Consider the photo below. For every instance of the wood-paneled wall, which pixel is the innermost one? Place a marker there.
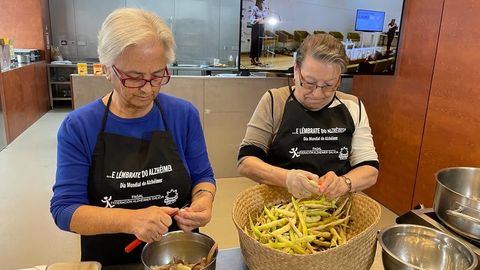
(24, 96)
(452, 130)
(24, 21)
(397, 105)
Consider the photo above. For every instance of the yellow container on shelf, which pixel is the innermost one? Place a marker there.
(82, 69)
(97, 69)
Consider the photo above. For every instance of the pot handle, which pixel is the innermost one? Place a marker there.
(458, 213)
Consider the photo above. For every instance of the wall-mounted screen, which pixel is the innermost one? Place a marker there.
(272, 30)
(369, 20)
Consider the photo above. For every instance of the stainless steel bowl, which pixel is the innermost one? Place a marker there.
(189, 247)
(457, 200)
(417, 247)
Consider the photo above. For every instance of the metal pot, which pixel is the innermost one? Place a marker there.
(457, 200)
(413, 247)
(190, 247)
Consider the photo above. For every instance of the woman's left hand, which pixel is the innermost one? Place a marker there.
(197, 215)
(332, 185)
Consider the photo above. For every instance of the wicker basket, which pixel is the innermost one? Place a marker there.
(357, 253)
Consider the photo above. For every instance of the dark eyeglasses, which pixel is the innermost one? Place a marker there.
(312, 86)
(130, 82)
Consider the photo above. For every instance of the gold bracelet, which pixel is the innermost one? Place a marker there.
(203, 190)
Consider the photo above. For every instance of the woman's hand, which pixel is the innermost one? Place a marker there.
(332, 185)
(302, 184)
(198, 214)
(149, 224)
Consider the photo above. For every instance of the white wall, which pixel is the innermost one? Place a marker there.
(329, 15)
(325, 15)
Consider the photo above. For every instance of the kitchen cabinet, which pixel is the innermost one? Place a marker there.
(25, 97)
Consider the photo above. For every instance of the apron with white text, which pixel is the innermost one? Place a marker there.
(314, 141)
(132, 173)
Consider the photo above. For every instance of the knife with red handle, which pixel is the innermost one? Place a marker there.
(137, 241)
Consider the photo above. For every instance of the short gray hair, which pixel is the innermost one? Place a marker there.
(129, 26)
(325, 48)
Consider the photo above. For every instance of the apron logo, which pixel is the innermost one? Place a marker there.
(172, 197)
(294, 151)
(343, 153)
(107, 201)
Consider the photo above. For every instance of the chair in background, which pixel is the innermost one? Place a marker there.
(319, 32)
(382, 65)
(300, 35)
(354, 37)
(270, 40)
(352, 68)
(284, 37)
(337, 35)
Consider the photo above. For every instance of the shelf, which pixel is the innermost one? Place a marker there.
(67, 98)
(60, 82)
(63, 65)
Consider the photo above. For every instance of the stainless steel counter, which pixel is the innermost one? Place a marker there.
(227, 259)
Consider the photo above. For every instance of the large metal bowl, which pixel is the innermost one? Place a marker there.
(187, 246)
(457, 200)
(417, 247)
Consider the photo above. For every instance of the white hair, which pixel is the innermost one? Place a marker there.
(129, 26)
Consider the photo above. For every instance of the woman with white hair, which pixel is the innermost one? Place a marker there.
(130, 160)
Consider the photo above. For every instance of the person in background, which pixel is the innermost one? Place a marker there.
(130, 160)
(309, 137)
(257, 21)
(392, 28)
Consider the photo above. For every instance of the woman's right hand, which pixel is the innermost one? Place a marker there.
(149, 224)
(302, 184)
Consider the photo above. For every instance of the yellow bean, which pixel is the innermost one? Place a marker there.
(275, 223)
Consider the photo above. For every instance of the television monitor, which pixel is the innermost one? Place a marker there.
(272, 30)
(369, 20)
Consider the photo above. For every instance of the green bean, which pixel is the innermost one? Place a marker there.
(275, 223)
(285, 212)
(309, 219)
(331, 224)
(302, 226)
(316, 212)
(255, 230)
(269, 214)
(300, 217)
(283, 229)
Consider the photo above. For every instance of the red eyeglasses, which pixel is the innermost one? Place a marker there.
(130, 82)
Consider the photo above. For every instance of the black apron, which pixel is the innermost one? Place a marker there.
(132, 173)
(314, 141)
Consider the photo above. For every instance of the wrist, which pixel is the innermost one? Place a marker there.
(128, 222)
(348, 183)
(203, 192)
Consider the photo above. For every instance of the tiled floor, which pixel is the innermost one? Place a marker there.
(28, 235)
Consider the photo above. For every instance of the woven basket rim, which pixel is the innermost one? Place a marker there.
(333, 249)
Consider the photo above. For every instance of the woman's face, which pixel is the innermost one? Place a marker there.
(145, 60)
(316, 83)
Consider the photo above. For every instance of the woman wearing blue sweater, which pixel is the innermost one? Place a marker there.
(128, 161)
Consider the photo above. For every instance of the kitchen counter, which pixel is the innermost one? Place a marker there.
(19, 65)
(203, 70)
(227, 259)
(24, 96)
